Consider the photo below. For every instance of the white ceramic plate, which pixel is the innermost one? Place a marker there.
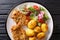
(10, 22)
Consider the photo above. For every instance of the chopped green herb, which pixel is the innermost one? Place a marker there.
(24, 13)
(35, 18)
(23, 10)
(32, 9)
(46, 17)
(32, 16)
(36, 13)
(42, 9)
(39, 24)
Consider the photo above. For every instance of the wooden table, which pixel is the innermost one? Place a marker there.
(52, 5)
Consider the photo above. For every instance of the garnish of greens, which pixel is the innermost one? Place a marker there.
(42, 9)
(46, 17)
(36, 15)
(32, 16)
(23, 11)
(39, 24)
(33, 10)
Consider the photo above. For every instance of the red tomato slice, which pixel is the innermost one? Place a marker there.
(36, 7)
(28, 14)
(28, 18)
(41, 20)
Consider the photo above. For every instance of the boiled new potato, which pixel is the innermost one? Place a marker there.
(30, 32)
(41, 35)
(32, 24)
(32, 38)
(44, 27)
(37, 29)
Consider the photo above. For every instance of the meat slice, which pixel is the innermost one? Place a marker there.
(18, 33)
(17, 16)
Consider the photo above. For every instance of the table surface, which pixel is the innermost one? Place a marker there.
(52, 5)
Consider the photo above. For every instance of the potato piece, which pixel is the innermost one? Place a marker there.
(32, 38)
(44, 27)
(41, 35)
(32, 24)
(37, 29)
(30, 32)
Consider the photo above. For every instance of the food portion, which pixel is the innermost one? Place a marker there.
(18, 33)
(18, 17)
(34, 18)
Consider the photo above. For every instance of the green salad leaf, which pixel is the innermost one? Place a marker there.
(35, 18)
(32, 16)
(23, 10)
(36, 13)
(39, 24)
(32, 9)
(46, 17)
(42, 9)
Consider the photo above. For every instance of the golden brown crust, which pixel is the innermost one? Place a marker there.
(17, 30)
(17, 16)
(18, 33)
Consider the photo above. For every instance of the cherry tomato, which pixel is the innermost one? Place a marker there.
(36, 7)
